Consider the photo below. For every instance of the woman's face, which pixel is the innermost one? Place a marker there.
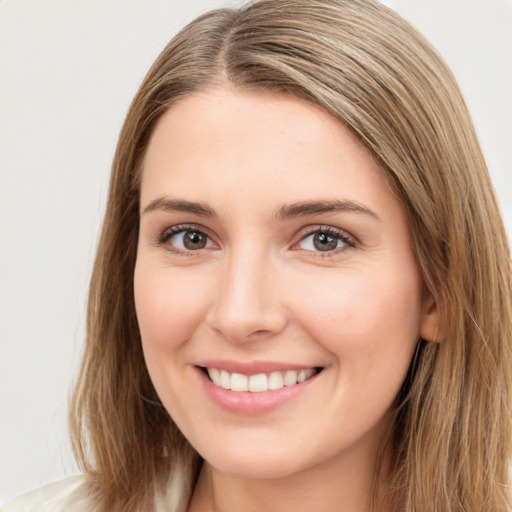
(271, 251)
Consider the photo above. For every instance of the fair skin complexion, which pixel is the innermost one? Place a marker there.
(270, 242)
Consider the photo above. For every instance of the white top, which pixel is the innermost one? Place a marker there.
(64, 496)
(71, 495)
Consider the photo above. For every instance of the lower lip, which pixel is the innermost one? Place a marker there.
(250, 403)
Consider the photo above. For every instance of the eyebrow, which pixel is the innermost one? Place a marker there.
(307, 208)
(290, 211)
(179, 205)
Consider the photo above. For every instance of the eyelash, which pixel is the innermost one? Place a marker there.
(168, 233)
(336, 233)
(348, 241)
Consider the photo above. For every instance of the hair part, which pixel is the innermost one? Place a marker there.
(372, 71)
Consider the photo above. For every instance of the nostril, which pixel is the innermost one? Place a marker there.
(239, 321)
(260, 332)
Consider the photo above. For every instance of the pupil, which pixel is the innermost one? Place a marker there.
(324, 242)
(194, 240)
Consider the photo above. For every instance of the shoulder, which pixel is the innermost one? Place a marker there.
(67, 495)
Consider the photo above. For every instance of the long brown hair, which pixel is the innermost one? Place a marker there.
(371, 70)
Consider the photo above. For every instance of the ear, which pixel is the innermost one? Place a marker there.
(433, 324)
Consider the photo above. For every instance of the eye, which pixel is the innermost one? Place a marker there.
(185, 239)
(326, 240)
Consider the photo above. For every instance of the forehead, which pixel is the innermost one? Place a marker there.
(221, 118)
(225, 146)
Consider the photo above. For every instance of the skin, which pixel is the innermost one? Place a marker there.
(260, 290)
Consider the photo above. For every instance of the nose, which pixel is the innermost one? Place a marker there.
(248, 305)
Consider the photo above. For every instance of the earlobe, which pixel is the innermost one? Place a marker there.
(433, 324)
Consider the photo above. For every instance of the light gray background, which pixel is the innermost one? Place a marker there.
(68, 70)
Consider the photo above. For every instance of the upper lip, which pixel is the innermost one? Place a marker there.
(253, 367)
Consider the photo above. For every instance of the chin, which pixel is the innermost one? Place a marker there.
(255, 463)
(262, 469)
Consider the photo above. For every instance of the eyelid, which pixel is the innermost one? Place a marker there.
(163, 237)
(349, 240)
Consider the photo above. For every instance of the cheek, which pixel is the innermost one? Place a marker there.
(363, 316)
(169, 310)
(169, 307)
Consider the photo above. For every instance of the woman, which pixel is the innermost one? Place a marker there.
(302, 293)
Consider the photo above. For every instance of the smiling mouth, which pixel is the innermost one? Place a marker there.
(260, 382)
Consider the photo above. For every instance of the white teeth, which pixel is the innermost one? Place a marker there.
(260, 382)
(290, 379)
(225, 379)
(214, 375)
(239, 382)
(275, 381)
